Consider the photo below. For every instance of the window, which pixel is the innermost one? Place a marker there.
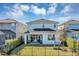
(8, 36)
(43, 26)
(27, 37)
(54, 25)
(13, 26)
(74, 36)
(51, 37)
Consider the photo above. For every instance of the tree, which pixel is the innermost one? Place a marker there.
(63, 37)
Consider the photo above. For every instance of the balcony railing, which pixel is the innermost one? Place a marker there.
(8, 29)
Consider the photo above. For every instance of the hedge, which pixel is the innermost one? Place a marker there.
(71, 44)
(12, 43)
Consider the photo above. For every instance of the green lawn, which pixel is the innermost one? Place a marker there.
(44, 51)
(0, 53)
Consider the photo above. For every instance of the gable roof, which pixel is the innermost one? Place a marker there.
(7, 21)
(70, 21)
(41, 21)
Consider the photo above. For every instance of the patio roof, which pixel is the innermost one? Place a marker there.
(75, 29)
(43, 29)
(27, 32)
(7, 30)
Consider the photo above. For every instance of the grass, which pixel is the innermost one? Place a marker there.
(0, 53)
(44, 51)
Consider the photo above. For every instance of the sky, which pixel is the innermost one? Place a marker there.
(25, 12)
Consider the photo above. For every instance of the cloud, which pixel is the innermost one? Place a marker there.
(17, 10)
(67, 9)
(62, 19)
(16, 6)
(17, 13)
(38, 11)
(21, 7)
(51, 9)
(42, 11)
(70, 10)
(24, 7)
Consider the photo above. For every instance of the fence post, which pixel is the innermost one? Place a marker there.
(58, 50)
(32, 51)
(38, 50)
(78, 50)
(45, 51)
(18, 52)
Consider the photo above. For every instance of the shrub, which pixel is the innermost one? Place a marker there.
(12, 43)
(72, 45)
(69, 43)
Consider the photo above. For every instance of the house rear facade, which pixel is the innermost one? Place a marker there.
(42, 31)
(12, 28)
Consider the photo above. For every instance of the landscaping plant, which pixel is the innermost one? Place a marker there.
(73, 45)
(12, 43)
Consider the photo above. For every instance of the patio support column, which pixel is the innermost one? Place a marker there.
(25, 38)
(28, 37)
(44, 38)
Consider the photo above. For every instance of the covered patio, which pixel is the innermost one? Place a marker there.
(41, 37)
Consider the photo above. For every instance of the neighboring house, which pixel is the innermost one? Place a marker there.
(12, 28)
(2, 40)
(71, 29)
(42, 31)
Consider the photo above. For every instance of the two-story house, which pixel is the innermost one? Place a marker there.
(42, 31)
(12, 28)
(71, 29)
(2, 40)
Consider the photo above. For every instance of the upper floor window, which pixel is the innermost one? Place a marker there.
(54, 25)
(43, 25)
(13, 26)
